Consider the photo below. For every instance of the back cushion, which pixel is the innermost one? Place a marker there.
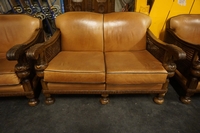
(125, 31)
(187, 27)
(81, 31)
(16, 29)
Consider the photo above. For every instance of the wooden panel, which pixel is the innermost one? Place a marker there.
(99, 6)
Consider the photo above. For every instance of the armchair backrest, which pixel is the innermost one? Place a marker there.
(125, 31)
(186, 27)
(81, 31)
(16, 29)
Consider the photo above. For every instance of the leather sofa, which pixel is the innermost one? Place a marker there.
(17, 76)
(184, 31)
(112, 53)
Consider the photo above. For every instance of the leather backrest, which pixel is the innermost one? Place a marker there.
(186, 27)
(16, 29)
(125, 31)
(81, 31)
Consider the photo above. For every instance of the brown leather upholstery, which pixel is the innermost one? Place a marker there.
(125, 32)
(104, 54)
(15, 32)
(18, 33)
(88, 27)
(186, 27)
(136, 67)
(76, 67)
(184, 31)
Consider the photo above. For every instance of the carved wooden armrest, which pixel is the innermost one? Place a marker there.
(19, 50)
(43, 53)
(164, 52)
(15, 52)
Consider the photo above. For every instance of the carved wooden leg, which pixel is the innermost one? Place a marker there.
(49, 100)
(33, 102)
(104, 100)
(186, 99)
(159, 99)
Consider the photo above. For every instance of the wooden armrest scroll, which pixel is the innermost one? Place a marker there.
(15, 52)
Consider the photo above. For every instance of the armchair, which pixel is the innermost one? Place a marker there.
(113, 53)
(17, 78)
(184, 31)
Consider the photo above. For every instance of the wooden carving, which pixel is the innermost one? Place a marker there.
(99, 6)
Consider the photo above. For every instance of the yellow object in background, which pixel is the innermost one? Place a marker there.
(159, 13)
(178, 7)
(140, 4)
(196, 7)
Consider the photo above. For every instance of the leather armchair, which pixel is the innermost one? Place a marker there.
(184, 31)
(104, 54)
(17, 77)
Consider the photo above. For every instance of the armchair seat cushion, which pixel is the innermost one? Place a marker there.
(134, 67)
(76, 67)
(7, 73)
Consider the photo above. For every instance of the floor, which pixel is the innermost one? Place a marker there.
(84, 114)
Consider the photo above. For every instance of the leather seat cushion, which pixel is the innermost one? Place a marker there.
(138, 67)
(76, 67)
(7, 73)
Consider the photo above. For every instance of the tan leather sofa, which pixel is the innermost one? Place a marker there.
(104, 54)
(184, 31)
(17, 33)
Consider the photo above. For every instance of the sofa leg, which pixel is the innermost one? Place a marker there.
(49, 100)
(33, 102)
(159, 99)
(185, 99)
(104, 100)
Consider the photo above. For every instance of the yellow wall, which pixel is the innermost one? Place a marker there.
(196, 7)
(162, 10)
(159, 12)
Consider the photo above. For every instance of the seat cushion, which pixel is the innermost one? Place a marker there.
(138, 67)
(7, 73)
(76, 67)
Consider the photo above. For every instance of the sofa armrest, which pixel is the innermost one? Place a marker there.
(192, 51)
(16, 52)
(43, 53)
(164, 52)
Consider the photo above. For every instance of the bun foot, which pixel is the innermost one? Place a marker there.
(49, 100)
(33, 102)
(104, 100)
(158, 100)
(185, 100)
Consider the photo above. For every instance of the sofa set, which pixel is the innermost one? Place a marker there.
(104, 54)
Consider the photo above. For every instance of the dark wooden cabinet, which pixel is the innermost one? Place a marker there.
(99, 6)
